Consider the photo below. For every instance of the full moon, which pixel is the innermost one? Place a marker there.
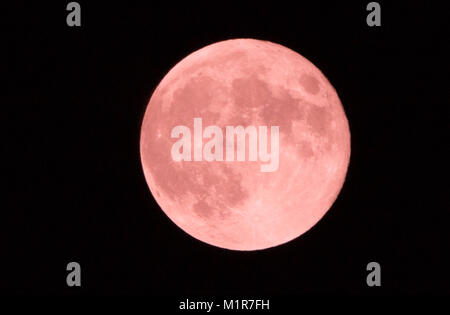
(232, 203)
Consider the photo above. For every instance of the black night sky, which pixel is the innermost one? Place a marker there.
(75, 190)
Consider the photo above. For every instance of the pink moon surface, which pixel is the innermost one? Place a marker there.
(232, 204)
